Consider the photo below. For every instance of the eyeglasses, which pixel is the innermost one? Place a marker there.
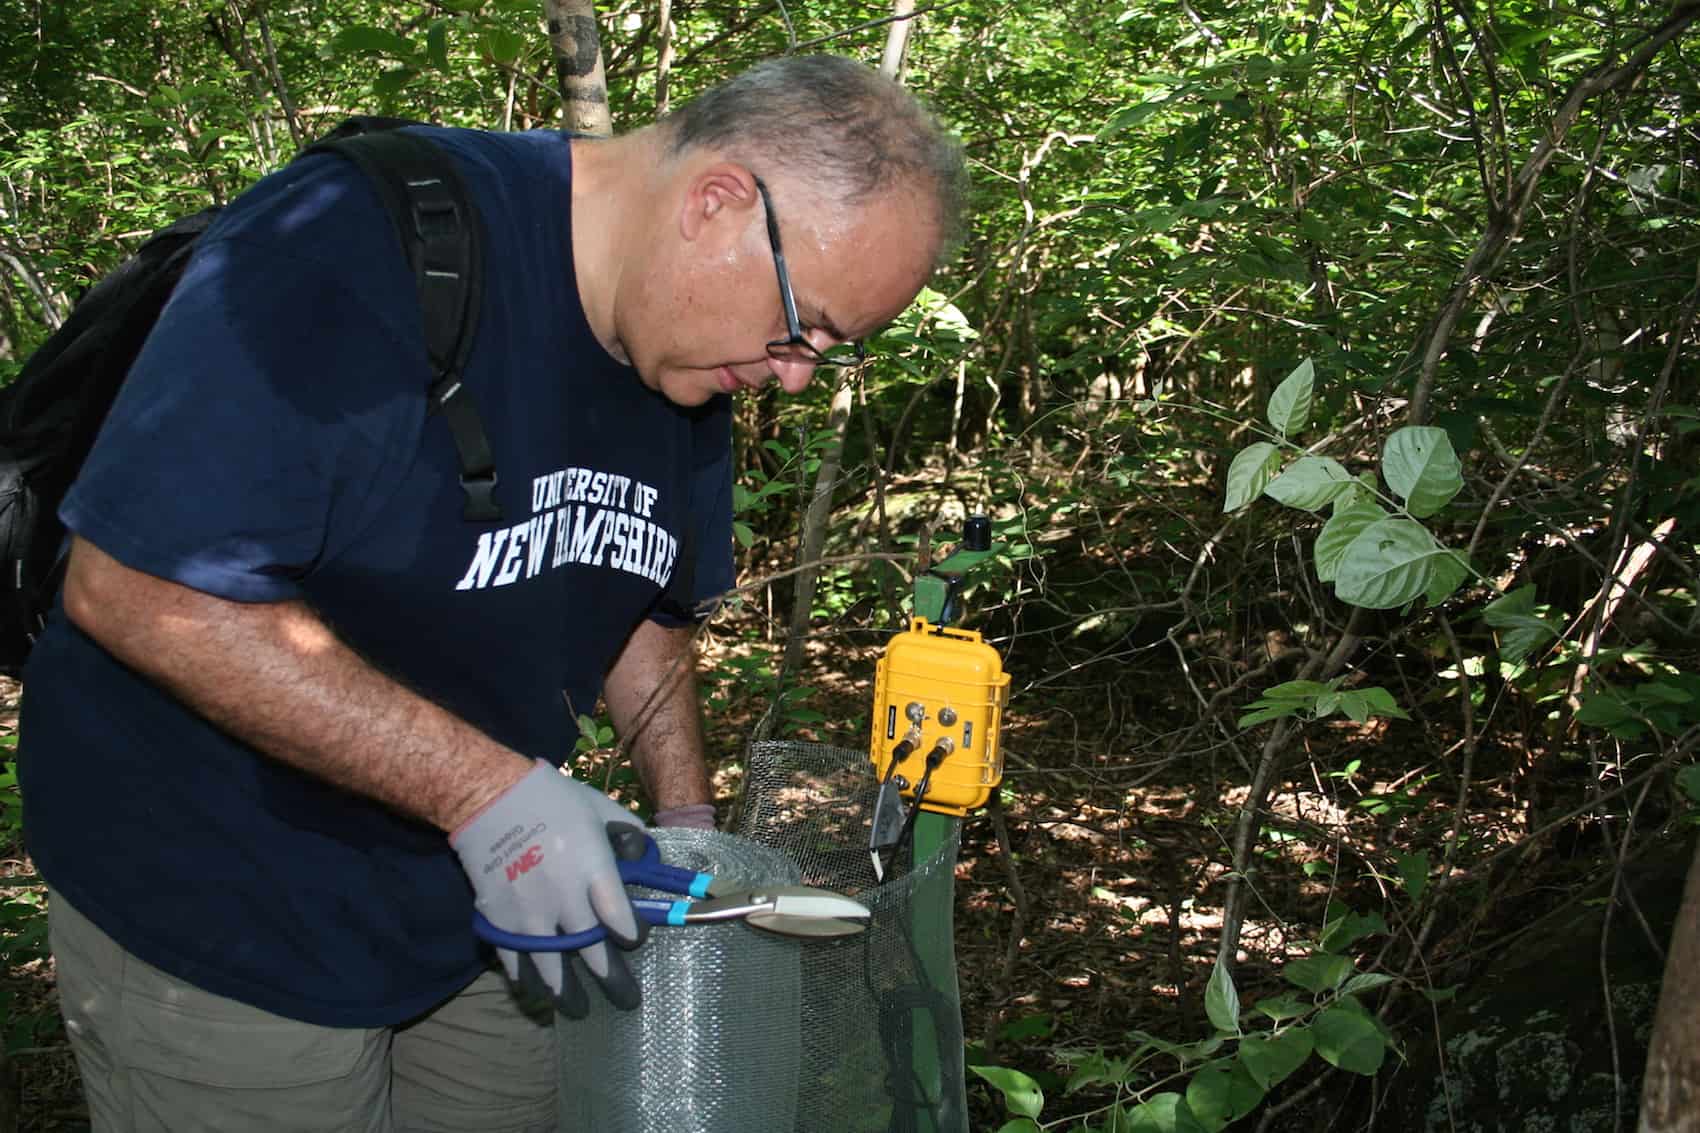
(794, 347)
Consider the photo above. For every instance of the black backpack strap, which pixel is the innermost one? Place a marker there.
(438, 226)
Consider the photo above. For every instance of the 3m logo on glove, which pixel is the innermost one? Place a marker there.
(533, 856)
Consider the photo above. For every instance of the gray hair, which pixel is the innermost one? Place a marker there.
(832, 123)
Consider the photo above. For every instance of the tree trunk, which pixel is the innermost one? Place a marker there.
(1670, 1093)
(578, 66)
(664, 58)
(819, 513)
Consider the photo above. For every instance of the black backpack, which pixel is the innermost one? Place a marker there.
(51, 413)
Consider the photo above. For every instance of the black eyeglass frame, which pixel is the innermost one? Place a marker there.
(796, 347)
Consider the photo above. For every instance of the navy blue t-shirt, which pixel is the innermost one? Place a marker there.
(272, 444)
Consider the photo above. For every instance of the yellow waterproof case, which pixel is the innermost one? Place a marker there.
(935, 686)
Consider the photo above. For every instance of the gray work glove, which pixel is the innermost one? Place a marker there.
(541, 864)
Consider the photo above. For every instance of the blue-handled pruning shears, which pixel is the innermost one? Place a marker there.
(791, 910)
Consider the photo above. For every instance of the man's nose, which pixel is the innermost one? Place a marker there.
(793, 375)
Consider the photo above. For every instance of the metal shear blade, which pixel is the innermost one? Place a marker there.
(791, 910)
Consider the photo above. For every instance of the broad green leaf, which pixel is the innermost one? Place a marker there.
(1217, 1096)
(1270, 1060)
(1094, 1069)
(502, 44)
(1222, 1001)
(1027, 1027)
(362, 40)
(1262, 711)
(1525, 626)
(1688, 782)
(1413, 871)
(1250, 473)
(1289, 405)
(1365, 981)
(392, 81)
(1609, 711)
(1349, 1040)
(1345, 525)
(1310, 483)
(1662, 692)
(1286, 699)
(1162, 1113)
(1020, 1093)
(1128, 117)
(1362, 703)
(1319, 972)
(1448, 573)
(1298, 690)
(1282, 1007)
(1390, 563)
(941, 316)
(1420, 466)
(1343, 928)
(437, 44)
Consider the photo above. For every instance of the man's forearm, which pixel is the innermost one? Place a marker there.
(651, 694)
(276, 677)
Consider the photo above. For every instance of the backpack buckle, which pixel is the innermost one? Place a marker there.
(480, 504)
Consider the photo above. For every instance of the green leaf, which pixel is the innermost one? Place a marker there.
(362, 40)
(1365, 981)
(437, 44)
(1526, 627)
(1350, 1040)
(1020, 1093)
(1208, 1097)
(1343, 928)
(1027, 1027)
(1289, 405)
(1609, 711)
(1413, 871)
(1128, 117)
(392, 81)
(1222, 1001)
(1345, 525)
(1287, 699)
(1262, 711)
(1162, 1113)
(1688, 782)
(1319, 972)
(1250, 473)
(1390, 563)
(1094, 1069)
(1282, 1007)
(1270, 1060)
(502, 44)
(1448, 573)
(1310, 483)
(1421, 468)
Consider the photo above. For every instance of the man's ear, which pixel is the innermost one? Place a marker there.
(714, 194)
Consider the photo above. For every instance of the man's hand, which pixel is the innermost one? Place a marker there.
(541, 863)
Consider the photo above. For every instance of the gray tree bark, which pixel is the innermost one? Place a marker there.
(1670, 1092)
(578, 66)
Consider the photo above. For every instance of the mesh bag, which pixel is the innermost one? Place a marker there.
(744, 1030)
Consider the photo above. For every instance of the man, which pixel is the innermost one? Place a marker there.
(294, 703)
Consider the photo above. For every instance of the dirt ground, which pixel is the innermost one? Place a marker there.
(1087, 907)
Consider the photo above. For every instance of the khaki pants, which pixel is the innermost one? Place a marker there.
(157, 1054)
